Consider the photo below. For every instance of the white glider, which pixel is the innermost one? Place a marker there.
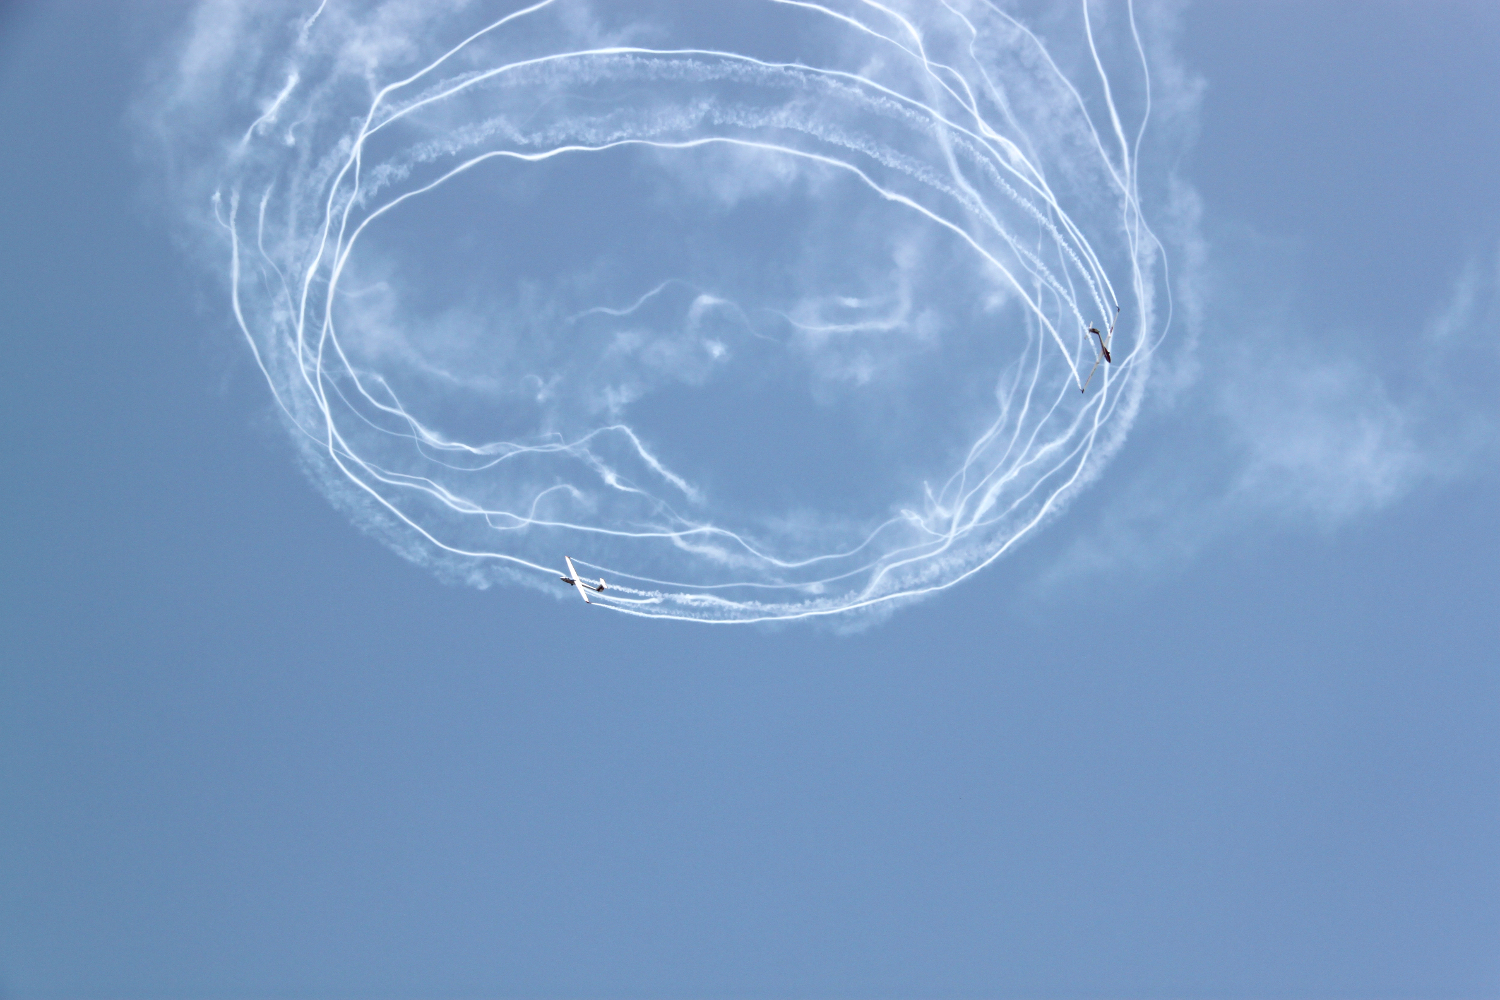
(574, 580)
(1103, 350)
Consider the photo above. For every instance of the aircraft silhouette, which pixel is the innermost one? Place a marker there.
(583, 585)
(1104, 340)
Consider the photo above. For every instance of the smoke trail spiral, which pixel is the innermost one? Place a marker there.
(765, 309)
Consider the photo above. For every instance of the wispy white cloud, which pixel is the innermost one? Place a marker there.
(1287, 428)
(1318, 437)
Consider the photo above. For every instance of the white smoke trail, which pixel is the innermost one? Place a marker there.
(768, 310)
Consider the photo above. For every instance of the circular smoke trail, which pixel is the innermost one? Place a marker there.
(760, 310)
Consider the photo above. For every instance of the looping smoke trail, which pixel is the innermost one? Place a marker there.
(769, 310)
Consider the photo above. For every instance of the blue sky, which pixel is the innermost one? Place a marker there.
(1223, 728)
